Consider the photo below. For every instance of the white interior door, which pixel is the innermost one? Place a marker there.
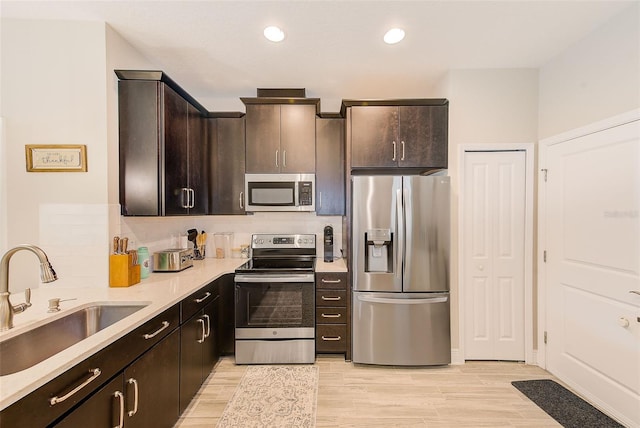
(493, 237)
(593, 263)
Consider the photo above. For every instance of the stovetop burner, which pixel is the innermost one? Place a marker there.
(293, 253)
(277, 265)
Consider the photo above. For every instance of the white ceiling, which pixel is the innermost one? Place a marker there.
(334, 49)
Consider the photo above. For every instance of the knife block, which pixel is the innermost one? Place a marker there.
(123, 272)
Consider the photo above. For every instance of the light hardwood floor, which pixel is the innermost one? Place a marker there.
(476, 394)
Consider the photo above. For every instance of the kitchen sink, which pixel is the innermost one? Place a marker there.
(33, 346)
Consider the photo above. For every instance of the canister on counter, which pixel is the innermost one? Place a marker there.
(144, 261)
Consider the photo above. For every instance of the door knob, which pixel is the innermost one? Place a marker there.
(480, 267)
(623, 322)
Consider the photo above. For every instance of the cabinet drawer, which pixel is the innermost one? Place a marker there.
(331, 338)
(330, 315)
(198, 300)
(334, 280)
(331, 298)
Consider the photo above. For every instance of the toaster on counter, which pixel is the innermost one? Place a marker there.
(172, 260)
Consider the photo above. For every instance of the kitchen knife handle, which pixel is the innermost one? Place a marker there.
(116, 244)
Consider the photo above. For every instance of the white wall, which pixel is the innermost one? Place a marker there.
(53, 93)
(492, 106)
(597, 78)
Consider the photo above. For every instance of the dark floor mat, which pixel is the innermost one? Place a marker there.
(564, 406)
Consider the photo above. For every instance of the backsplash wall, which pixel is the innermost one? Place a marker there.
(156, 233)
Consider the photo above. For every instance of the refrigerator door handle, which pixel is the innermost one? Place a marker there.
(407, 229)
(371, 299)
(399, 244)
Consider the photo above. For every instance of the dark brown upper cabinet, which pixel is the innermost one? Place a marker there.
(280, 136)
(387, 134)
(163, 148)
(227, 165)
(330, 174)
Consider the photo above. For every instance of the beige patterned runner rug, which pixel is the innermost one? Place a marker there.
(273, 396)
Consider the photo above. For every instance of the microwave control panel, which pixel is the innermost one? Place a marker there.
(305, 193)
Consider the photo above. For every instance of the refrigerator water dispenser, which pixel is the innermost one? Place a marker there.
(378, 250)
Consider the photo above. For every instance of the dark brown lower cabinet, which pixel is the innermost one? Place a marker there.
(198, 351)
(145, 394)
(155, 377)
(332, 313)
(226, 316)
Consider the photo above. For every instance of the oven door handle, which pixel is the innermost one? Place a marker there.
(267, 278)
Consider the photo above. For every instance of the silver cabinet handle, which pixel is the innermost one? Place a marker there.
(277, 154)
(402, 150)
(284, 158)
(331, 338)
(202, 299)
(201, 340)
(165, 324)
(193, 198)
(208, 333)
(331, 299)
(331, 281)
(635, 292)
(331, 315)
(241, 200)
(394, 150)
(94, 374)
(185, 196)
(319, 199)
(134, 382)
(120, 396)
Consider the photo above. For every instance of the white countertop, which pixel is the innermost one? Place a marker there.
(160, 291)
(337, 265)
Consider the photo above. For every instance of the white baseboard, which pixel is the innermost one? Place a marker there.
(456, 357)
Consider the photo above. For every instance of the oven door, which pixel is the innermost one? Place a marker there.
(274, 306)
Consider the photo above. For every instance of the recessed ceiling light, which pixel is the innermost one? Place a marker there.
(274, 34)
(394, 36)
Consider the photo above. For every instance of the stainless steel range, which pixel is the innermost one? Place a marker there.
(275, 301)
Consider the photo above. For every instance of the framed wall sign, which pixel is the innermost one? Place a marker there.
(56, 158)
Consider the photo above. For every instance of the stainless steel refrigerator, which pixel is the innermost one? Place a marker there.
(400, 249)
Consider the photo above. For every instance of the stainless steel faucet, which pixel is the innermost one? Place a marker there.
(47, 274)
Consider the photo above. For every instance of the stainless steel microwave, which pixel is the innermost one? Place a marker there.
(280, 192)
